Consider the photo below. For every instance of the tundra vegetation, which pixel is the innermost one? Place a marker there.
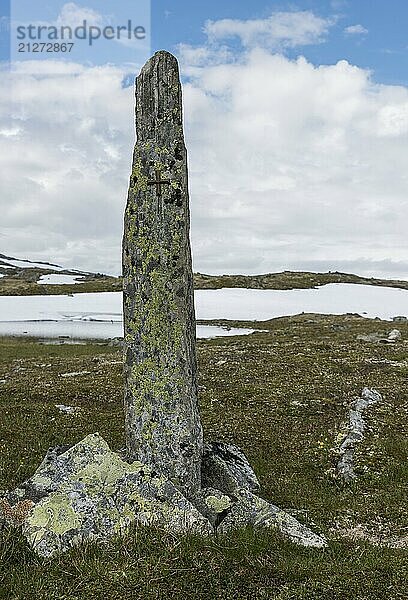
(283, 396)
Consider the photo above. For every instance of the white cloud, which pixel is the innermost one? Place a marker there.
(65, 170)
(281, 29)
(10, 131)
(355, 30)
(393, 120)
(292, 165)
(74, 15)
(71, 15)
(296, 166)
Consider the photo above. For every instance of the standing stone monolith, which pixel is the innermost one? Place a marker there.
(162, 419)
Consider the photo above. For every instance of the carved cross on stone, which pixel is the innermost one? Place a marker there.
(158, 182)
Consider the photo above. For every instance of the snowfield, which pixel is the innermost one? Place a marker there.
(99, 315)
(335, 298)
(56, 279)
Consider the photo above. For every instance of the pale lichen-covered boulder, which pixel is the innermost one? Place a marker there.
(354, 433)
(88, 492)
(226, 468)
(249, 510)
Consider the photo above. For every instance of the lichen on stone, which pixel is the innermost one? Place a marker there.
(162, 420)
(93, 494)
(218, 505)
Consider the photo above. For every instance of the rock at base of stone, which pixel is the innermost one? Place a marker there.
(228, 501)
(226, 468)
(249, 510)
(89, 493)
(86, 493)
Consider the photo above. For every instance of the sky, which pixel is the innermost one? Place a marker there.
(296, 123)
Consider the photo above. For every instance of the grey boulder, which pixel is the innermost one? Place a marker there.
(226, 468)
(249, 510)
(89, 493)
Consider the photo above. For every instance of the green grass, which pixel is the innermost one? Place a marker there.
(150, 564)
(282, 396)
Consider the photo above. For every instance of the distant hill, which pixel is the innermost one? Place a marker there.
(24, 277)
(289, 280)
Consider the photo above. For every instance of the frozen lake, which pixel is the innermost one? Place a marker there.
(99, 315)
(95, 330)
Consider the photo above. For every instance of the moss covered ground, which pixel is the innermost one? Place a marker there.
(283, 396)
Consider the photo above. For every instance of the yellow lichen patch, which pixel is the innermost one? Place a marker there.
(54, 513)
(218, 505)
(139, 180)
(105, 471)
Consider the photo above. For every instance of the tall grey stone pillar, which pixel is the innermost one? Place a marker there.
(162, 420)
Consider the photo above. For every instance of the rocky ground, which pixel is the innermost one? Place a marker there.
(284, 397)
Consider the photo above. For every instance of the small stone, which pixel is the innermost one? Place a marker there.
(245, 512)
(213, 504)
(394, 335)
(298, 533)
(75, 374)
(68, 410)
(370, 337)
(226, 468)
(400, 319)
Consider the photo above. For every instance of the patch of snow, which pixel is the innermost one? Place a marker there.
(56, 279)
(67, 331)
(104, 306)
(212, 331)
(99, 315)
(335, 298)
